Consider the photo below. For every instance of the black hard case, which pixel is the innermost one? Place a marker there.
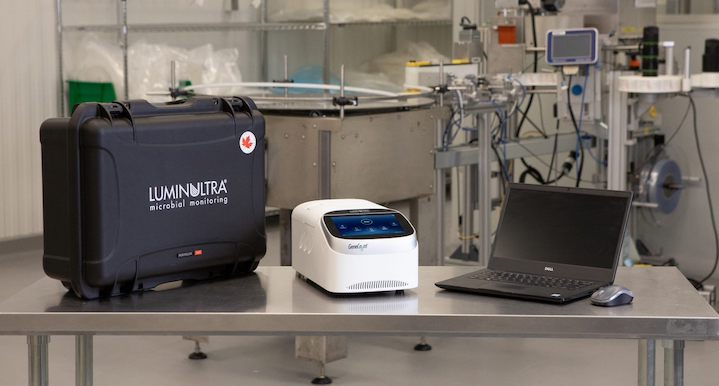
(101, 167)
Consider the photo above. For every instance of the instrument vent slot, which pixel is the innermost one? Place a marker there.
(377, 284)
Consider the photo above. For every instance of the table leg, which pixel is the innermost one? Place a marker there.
(673, 363)
(83, 360)
(37, 360)
(321, 350)
(647, 363)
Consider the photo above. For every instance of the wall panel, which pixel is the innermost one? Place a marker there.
(28, 79)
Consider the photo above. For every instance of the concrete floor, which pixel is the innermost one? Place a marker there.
(122, 361)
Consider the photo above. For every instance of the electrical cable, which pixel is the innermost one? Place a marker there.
(541, 114)
(657, 149)
(539, 159)
(504, 173)
(559, 177)
(581, 112)
(531, 122)
(554, 151)
(534, 67)
(595, 158)
(534, 173)
(527, 67)
(707, 190)
(580, 168)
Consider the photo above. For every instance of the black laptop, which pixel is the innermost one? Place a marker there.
(553, 244)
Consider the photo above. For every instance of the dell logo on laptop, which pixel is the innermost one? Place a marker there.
(549, 269)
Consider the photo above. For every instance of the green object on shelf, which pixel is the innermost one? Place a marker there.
(79, 91)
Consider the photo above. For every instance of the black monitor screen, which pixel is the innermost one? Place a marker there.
(561, 227)
(572, 46)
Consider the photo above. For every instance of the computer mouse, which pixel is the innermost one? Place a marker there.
(612, 295)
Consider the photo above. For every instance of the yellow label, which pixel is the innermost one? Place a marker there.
(628, 30)
(653, 111)
(422, 63)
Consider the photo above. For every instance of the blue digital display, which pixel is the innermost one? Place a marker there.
(368, 225)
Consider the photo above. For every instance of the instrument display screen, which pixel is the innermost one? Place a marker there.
(368, 225)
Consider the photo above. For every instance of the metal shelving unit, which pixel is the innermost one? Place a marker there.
(202, 27)
(326, 25)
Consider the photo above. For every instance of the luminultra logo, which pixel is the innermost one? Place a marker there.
(201, 193)
(197, 189)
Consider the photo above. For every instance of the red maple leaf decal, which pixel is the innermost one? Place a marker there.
(246, 142)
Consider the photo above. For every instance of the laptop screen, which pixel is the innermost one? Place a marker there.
(577, 228)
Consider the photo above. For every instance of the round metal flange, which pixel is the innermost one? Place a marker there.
(664, 185)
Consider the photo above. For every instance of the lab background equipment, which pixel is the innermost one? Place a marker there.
(511, 116)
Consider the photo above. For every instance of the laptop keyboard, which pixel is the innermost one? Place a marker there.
(530, 280)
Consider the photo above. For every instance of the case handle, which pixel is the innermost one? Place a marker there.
(141, 108)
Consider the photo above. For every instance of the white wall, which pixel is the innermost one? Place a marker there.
(27, 96)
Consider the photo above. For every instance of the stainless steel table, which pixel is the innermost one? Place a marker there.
(275, 302)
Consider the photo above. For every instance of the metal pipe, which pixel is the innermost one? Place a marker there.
(678, 363)
(617, 152)
(542, 89)
(313, 86)
(83, 360)
(548, 91)
(442, 77)
(38, 360)
(640, 204)
(60, 73)
(647, 362)
(631, 47)
(439, 180)
(324, 164)
(668, 57)
(264, 67)
(173, 77)
(483, 185)
(287, 76)
(342, 90)
(125, 67)
(686, 81)
(311, 99)
(466, 227)
(329, 100)
(673, 362)
(326, 62)
(466, 213)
